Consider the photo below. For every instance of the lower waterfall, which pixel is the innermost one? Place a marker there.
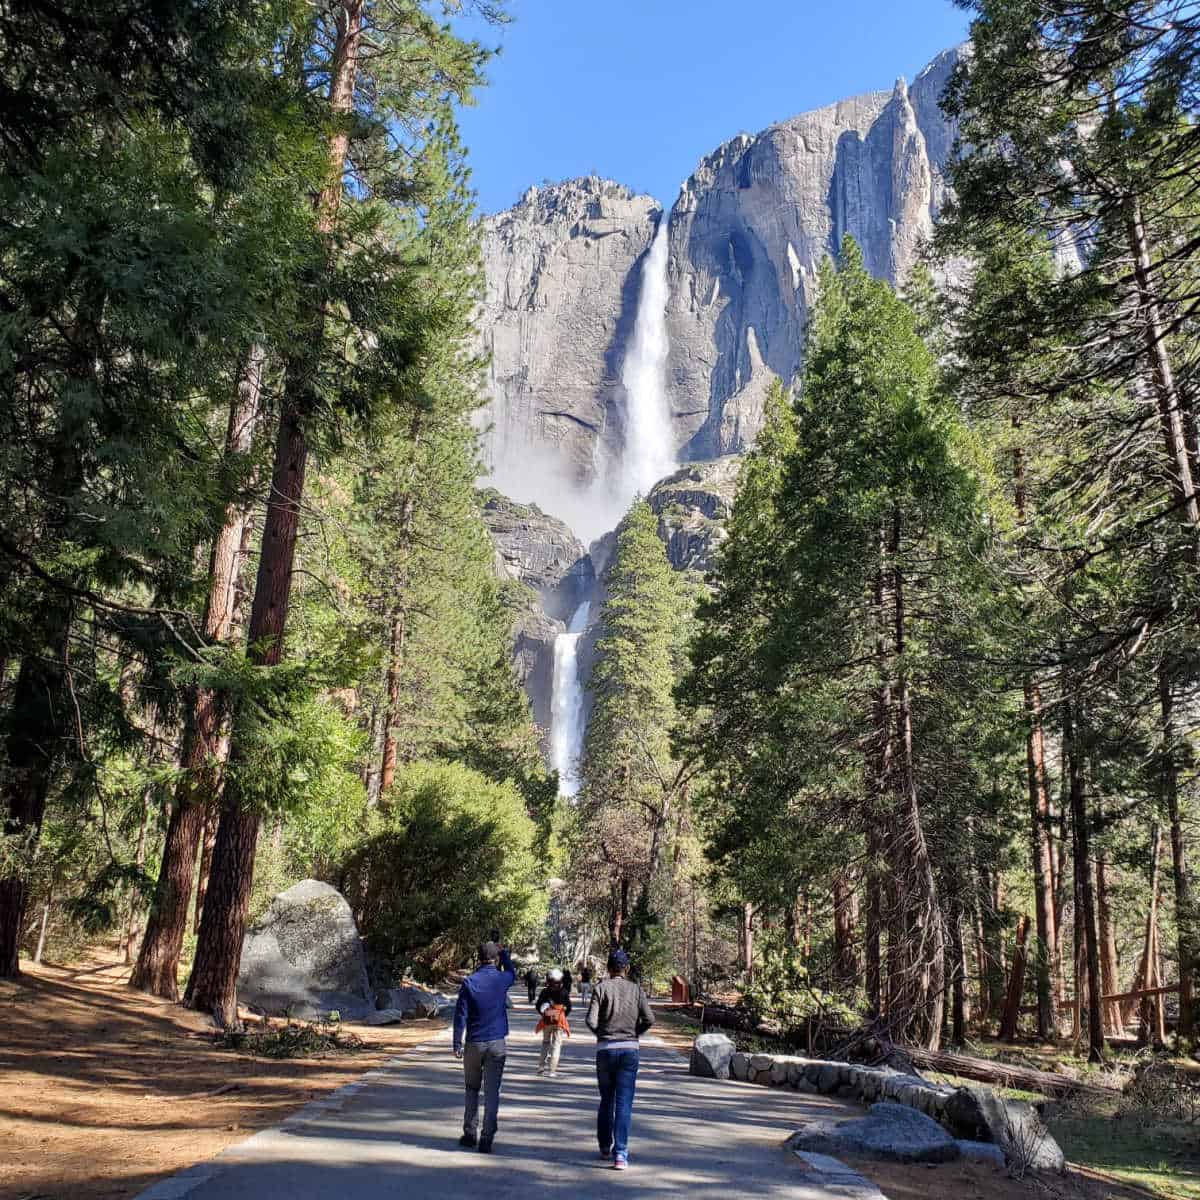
(566, 714)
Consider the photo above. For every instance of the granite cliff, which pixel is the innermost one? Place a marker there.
(746, 235)
(565, 271)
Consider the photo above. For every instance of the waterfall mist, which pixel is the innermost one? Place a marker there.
(567, 723)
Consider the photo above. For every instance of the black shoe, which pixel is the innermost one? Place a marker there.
(467, 1140)
(485, 1145)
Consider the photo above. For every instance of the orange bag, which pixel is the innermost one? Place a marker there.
(555, 1015)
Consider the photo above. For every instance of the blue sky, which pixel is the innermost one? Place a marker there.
(639, 90)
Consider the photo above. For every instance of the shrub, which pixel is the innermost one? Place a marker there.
(449, 856)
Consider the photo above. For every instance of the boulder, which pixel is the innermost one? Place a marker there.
(739, 1066)
(829, 1078)
(979, 1114)
(711, 1056)
(892, 1132)
(981, 1152)
(413, 1002)
(304, 957)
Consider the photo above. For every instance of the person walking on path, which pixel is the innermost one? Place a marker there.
(618, 1015)
(531, 982)
(481, 1015)
(554, 1005)
(585, 987)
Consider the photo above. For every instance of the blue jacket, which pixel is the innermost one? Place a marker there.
(482, 1008)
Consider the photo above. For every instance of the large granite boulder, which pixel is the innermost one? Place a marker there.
(712, 1054)
(979, 1114)
(893, 1132)
(304, 957)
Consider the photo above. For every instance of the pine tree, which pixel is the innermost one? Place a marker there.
(632, 783)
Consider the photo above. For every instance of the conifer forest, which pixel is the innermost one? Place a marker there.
(910, 751)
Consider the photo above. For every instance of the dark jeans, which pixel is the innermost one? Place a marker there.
(616, 1073)
(483, 1068)
(532, 991)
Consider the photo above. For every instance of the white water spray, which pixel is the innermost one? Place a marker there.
(566, 711)
(649, 450)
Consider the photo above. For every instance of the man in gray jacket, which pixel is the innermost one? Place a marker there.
(618, 1015)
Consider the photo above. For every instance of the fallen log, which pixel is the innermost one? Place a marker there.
(1001, 1074)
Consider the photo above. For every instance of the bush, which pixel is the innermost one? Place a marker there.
(783, 993)
(449, 856)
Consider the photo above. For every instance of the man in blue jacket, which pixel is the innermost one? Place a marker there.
(482, 1014)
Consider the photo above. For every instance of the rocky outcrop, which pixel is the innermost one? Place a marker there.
(550, 574)
(747, 233)
(304, 957)
(540, 551)
(692, 507)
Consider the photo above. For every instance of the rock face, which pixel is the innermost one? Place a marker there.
(711, 1056)
(557, 312)
(747, 233)
(540, 551)
(552, 573)
(304, 958)
(692, 507)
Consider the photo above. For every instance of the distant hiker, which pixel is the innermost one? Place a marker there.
(531, 982)
(482, 1014)
(566, 979)
(618, 1015)
(553, 1004)
(585, 986)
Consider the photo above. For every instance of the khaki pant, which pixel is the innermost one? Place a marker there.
(552, 1040)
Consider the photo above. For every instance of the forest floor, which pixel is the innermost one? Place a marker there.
(1144, 1165)
(104, 1090)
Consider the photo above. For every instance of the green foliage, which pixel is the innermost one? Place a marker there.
(450, 853)
(783, 992)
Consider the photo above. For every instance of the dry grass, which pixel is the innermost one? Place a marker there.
(104, 1090)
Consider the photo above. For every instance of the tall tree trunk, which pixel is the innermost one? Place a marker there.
(213, 984)
(1046, 955)
(157, 970)
(1165, 390)
(1016, 984)
(1046, 958)
(135, 902)
(1110, 973)
(748, 941)
(845, 953)
(1146, 966)
(1086, 918)
(1187, 923)
(32, 750)
(925, 949)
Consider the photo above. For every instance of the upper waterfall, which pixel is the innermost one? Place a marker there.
(648, 450)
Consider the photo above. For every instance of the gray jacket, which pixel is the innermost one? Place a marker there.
(619, 1011)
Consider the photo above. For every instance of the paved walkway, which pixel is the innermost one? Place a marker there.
(394, 1134)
